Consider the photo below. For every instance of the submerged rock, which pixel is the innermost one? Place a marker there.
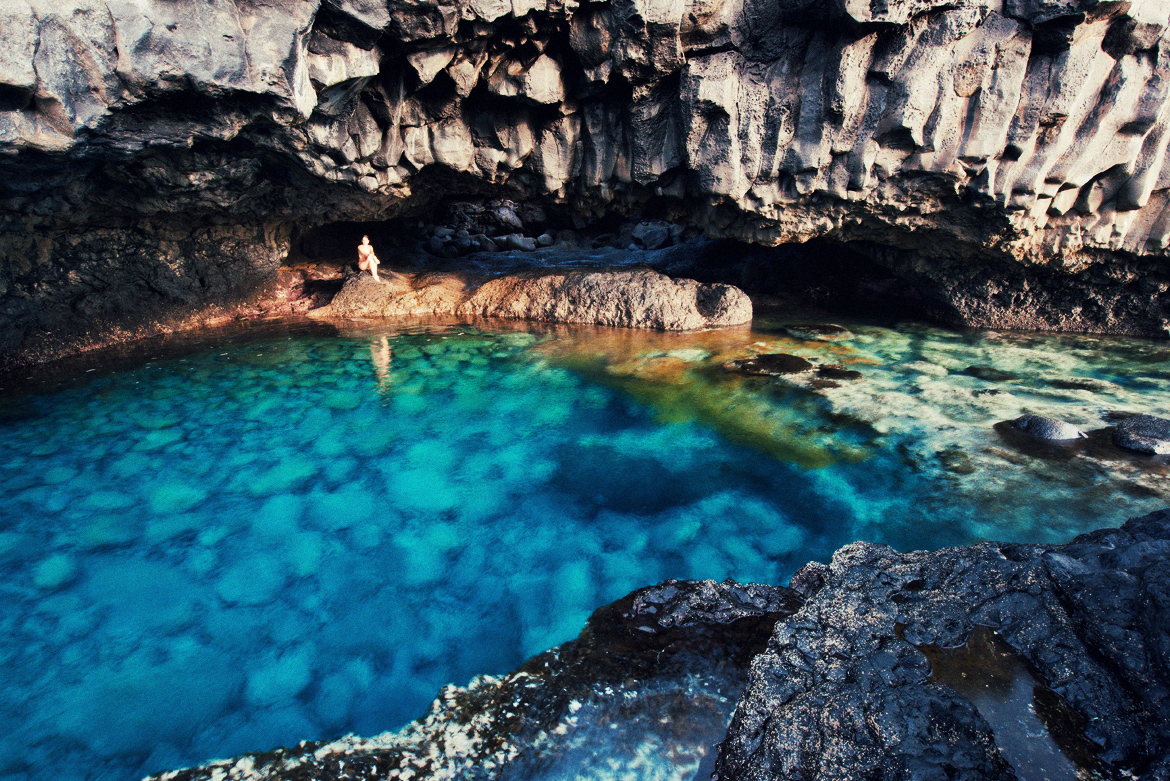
(771, 364)
(1047, 428)
(956, 461)
(990, 374)
(878, 665)
(1082, 383)
(1144, 434)
(818, 332)
(834, 371)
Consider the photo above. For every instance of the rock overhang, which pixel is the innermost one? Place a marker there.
(945, 141)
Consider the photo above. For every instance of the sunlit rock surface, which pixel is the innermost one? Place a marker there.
(637, 298)
(1006, 158)
(988, 662)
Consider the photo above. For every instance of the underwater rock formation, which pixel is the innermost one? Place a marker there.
(1048, 428)
(1143, 434)
(878, 665)
(1008, 160)
(625, 298)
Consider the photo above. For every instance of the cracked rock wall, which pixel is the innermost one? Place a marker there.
(1008, 156)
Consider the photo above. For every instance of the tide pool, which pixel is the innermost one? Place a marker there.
(259, 538)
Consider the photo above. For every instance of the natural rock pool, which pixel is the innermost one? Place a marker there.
(257, 537)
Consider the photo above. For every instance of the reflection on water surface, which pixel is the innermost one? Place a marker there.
(326, 527)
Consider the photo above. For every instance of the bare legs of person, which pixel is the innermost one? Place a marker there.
(367, 259)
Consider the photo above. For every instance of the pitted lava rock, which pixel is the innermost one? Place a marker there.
(1143, 434)
(678, 614)
(842, 690)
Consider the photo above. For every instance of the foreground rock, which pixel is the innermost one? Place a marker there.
(680, 649)
(1005, 162)
(845, 689)
(638, 298)
(1144, 434)
(895, 666)
(1048, 428)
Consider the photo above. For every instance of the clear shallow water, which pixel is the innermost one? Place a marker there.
(301, 535)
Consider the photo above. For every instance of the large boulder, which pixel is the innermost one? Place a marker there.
(638, 298)
(853, 685)
(1144, 434)
(625, 298)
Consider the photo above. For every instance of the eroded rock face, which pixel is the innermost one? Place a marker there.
(1009, 159)
(845, 689)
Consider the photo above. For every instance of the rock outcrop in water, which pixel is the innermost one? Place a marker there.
(989, 662)
(625, 298)
(1007, 160)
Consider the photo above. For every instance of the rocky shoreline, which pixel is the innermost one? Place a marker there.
(878, 665)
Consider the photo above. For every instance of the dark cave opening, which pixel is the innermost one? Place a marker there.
(834, 278)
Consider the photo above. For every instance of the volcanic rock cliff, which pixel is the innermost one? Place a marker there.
(1004, 158)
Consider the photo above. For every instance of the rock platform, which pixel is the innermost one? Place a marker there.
(627, 298)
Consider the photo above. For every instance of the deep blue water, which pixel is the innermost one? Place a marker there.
(256, 541)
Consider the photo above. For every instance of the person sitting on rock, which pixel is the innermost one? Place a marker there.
(367, 259)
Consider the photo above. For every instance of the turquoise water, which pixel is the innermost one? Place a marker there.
(254, 540)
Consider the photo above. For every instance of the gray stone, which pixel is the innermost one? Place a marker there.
(1047, 428)
(505, 215)
(653, 235)
(1143, 434)
(484, 244)
(518, 241)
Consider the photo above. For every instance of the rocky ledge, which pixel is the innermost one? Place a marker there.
(1005, 160)
(628, 298)
(996, 661)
